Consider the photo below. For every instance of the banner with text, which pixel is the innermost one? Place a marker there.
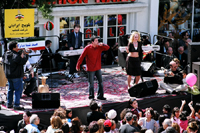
(19, 23)
(36, 45)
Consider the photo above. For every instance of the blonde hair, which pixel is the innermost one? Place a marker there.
(100, 123)
(132, 37)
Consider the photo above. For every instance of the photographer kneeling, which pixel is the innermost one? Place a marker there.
(173, 80)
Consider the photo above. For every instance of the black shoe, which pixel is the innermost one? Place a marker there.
(101, 98)
(91, 97)
(18, 108)
(28, 95)
(9, 106)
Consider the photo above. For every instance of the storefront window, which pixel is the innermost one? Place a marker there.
(67, 26)
(196, 27)
(93, 25)
(175, 16)
(116, 27)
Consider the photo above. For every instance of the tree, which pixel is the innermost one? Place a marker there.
(44, 6)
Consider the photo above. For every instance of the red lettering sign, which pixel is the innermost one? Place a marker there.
(110, 32)
(121, 29)
(88, 33)
(64, 1)
(72, 1)
(59, 1)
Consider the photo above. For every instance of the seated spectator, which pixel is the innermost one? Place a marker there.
(182, 57)
(100, 123)
(62, 114)
(128, 128)
(173, 42)
(107, 126)
(76, 125)
(168, 57)
(56, 124)
(25, 121)
(33, 126)
(93, 127)
(174, 78)
(148, 122)
(94, 115)
(166, 111)
(133, 105)
(184, 37)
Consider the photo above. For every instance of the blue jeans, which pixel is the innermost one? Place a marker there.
(17, 86)
(91, 83)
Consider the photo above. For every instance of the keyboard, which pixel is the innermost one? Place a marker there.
(67, 53)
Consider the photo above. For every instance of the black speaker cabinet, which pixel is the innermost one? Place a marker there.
(144, 89)
(193, 54)
(45, 100)
(148, 69)
(196, 70)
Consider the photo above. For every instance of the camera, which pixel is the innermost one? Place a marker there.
(168, 72)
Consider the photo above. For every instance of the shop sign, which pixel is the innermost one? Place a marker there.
(36, 45)
(19, 23)
(87, 2)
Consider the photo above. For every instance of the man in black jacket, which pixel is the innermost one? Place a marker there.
(95, 115)
(74, 42)
(182, 57)
(13, 68)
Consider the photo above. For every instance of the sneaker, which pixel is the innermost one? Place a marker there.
(76, 75)
(101, 98)
(19, 108)
(9, 106)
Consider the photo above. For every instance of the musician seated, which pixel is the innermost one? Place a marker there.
(174, 77)
(29, 79)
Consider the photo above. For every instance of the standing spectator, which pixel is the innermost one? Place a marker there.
(168, 57)
(176, 127)
(176, 113)
(76, 125)
(166, 123)
(148, 122)
(192, 127)
(182, 57)
(184, 37)
(166, 111)
(25, 121)
(13, 62)
(173, 42)
(94, 115)
(56, 124)
(107, 126)
(34, 122)
(93, 127)
(128, 128)
(133, 105)
(100, 123)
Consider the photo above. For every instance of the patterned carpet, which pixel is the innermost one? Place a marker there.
(73, 95)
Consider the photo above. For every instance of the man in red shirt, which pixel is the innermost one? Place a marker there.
(92, 53)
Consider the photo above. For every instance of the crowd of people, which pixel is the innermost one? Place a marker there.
(130, 119)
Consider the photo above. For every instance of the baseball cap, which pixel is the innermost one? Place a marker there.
(107, 123)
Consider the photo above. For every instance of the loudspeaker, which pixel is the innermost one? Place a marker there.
(45, 100)
(193, 54)
(148, 69)
(144, 89)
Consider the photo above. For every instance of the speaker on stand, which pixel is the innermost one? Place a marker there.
(193, 54)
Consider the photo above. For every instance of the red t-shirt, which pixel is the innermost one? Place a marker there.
(92, 56)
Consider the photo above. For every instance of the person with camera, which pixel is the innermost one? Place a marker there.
(174, 77)
(13, 68)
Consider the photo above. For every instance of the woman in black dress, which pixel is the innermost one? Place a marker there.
(134, 58)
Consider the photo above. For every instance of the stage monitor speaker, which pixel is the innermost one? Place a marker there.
(148, 69)
(123, 40)
(196, 70)
(193, 54)
(45, 100)
(144, 89)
